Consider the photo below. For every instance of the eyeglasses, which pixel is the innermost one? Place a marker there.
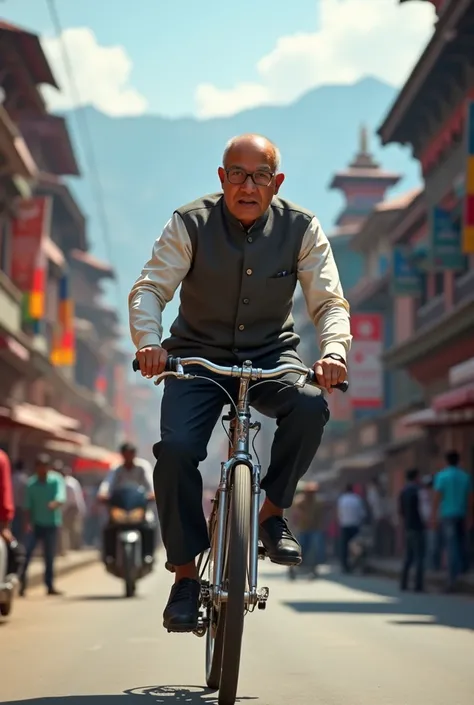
(239, 176)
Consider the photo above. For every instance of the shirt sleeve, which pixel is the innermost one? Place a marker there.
(148, 476)
(61, 495)
(319, 279)
(106, 484)
(170, 261)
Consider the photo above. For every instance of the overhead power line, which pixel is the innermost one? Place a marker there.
(87, 142)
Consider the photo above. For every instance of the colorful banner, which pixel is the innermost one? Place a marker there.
(406, 279)
(365, 361)
(63, 349)
(29, 228)
(446, 252)
(468, 221)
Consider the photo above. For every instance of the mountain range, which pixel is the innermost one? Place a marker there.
(149, 165)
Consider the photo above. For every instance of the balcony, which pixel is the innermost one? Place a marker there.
(464, 288)
(430, 313)
(10, 305)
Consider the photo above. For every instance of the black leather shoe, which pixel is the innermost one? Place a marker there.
(281, 545)
(182, 611)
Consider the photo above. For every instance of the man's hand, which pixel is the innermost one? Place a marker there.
(6, 534)
(54, 504)
(152, 360)
(329, 373)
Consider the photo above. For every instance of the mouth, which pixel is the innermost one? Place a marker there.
(247, 202)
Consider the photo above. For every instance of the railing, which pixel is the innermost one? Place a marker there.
(464, 288)
(430, 312)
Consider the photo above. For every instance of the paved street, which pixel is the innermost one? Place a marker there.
(330, 642)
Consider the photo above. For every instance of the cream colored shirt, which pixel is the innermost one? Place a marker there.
(171, 260)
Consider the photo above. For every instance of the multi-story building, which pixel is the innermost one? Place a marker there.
(434, 244)
(57, 366)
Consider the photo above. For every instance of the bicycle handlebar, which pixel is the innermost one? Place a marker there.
(256, 373)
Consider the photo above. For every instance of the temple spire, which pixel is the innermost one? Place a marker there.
(364, 140)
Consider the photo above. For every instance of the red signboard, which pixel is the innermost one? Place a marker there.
(365, 361)
(28, 229)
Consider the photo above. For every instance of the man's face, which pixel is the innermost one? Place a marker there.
(128, 457)
(41, 471)
(247, 201)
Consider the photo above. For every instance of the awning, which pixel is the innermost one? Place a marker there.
(45, 420)
(432, 417)
(98, 266)
(87, 458)
(455, 399)
(22, 163)
(361, 461)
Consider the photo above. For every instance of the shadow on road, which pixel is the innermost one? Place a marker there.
(414, 609)
(157, 695)
(99, 598)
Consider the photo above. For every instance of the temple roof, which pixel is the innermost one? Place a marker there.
(363, 167)
(29, 47)
(433, 72)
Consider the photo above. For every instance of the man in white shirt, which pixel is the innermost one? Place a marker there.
(351, 513)
(134, 471)
(74, 511)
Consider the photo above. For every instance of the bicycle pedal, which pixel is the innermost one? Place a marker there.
(262, 552)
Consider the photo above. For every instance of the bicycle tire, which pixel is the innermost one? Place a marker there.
(215, 635)
(237, 560)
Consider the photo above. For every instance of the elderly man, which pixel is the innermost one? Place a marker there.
(238, 256)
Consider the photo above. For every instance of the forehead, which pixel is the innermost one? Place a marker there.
(253, 155)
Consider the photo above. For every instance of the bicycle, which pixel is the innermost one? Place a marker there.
(231, 591)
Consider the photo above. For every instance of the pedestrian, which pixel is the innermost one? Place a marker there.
(20, 480)
(74, 511)
(45, 497)
(309, 510)
(7, 507)
(411, 513)
(453, 507)
(351, 514)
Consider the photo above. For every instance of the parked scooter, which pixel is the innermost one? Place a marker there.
(8, 580)
(129, 537)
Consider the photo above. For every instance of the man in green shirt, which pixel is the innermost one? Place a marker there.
(44, 499)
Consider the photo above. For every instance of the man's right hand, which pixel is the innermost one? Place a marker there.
(152, 360)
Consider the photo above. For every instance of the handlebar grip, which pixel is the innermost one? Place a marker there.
(342, 387)
(169, 367)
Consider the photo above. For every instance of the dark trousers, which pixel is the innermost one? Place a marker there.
(189, 412)
(454, 531)
(47, 535)
(347, 534)
(414, 554)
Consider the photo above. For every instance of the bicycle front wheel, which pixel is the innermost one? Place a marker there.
(237, 563)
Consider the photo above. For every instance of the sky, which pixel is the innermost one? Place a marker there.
(209, 58)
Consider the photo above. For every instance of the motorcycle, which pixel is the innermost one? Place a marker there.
(130, 536)
(8, 580)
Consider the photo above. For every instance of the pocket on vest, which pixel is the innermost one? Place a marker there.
(281, 289)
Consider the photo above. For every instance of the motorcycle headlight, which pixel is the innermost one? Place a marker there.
(121, 516)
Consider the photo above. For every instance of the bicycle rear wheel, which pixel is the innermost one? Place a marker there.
(236, 583)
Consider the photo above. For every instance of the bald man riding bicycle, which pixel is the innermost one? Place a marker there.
(238, 255)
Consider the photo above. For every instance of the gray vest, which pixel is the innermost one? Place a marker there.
(237, 298)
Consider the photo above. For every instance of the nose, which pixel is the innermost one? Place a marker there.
(248, 186)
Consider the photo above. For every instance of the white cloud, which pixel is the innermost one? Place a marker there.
(355, 38)
(102, 75)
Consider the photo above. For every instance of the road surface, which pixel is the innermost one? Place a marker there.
(335, 641)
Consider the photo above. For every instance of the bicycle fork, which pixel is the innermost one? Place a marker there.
(253, 595)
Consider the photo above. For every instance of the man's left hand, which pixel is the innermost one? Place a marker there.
(329, 373)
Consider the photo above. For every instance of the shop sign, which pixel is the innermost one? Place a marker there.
(406, 277)
(446, 252)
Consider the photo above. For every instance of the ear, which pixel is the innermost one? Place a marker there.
(221, 174)
(279, 179)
